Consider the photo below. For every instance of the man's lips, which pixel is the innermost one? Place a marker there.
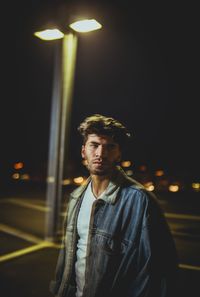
(99, 163)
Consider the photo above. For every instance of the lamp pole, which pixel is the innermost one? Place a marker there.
(65, 60)
(64, 71)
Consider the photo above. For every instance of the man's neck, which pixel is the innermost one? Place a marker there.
(99, 184)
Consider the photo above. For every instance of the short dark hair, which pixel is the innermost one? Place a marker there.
(102, 125)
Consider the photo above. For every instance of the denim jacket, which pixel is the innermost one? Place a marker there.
(130, 251)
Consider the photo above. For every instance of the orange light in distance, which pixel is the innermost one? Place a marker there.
(159, 173)
(18, 165)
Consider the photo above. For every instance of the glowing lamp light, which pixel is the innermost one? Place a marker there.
(66, 182)
(126, 164)
(18, 165)
(196, 186)
(16, 176)
(49, 34)
(174, 188)
(129, 172)
(149, 186)
(159, 173)
(142, 168)
(78, 180)
(84, 26)
(25, 176)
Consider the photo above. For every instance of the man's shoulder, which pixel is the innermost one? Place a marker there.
(77, 192)
(131, 185)
(135, 191)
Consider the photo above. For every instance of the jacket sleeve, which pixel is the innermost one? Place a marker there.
(55, 284)
(157, 257)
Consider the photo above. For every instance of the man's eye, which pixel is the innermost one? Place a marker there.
(94, 145)
(111, 146)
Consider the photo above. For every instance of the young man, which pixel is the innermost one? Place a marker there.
(117, 242)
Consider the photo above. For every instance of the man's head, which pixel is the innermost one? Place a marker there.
(103, 141)
(102, 125)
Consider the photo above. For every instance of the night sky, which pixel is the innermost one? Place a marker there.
(141, 68)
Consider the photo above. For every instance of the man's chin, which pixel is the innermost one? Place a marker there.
(99, 172)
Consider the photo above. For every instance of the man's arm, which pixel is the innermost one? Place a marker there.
(55, 284)
(157, 257)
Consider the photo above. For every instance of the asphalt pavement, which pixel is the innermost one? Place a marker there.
(29, 276)
(27, 262)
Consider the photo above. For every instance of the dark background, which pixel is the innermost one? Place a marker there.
(141, 68)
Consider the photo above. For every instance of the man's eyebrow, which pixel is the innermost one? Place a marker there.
(109, 143)
(94, 142)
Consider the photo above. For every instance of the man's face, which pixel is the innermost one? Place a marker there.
(101, 154)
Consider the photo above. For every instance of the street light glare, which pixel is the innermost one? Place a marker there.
(49, 34)
(84, 26)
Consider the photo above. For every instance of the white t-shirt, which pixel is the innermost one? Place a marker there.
(83, 228)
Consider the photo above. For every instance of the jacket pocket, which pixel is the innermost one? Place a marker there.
(110, 245)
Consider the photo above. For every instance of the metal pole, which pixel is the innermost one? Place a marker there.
(65, 60)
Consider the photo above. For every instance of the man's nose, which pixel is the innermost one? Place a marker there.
(101, 151)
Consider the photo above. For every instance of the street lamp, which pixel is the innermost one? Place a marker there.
(65, 60)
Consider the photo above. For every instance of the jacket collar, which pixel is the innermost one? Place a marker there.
(119, 178)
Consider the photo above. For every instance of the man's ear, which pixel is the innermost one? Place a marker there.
(83, 151)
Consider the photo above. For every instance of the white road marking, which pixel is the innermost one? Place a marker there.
(33, 205)
(25, 251)
(24, 203)
(190, 267)
(184, 234)
(44, 244)
(169, 215)
(20, 234)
